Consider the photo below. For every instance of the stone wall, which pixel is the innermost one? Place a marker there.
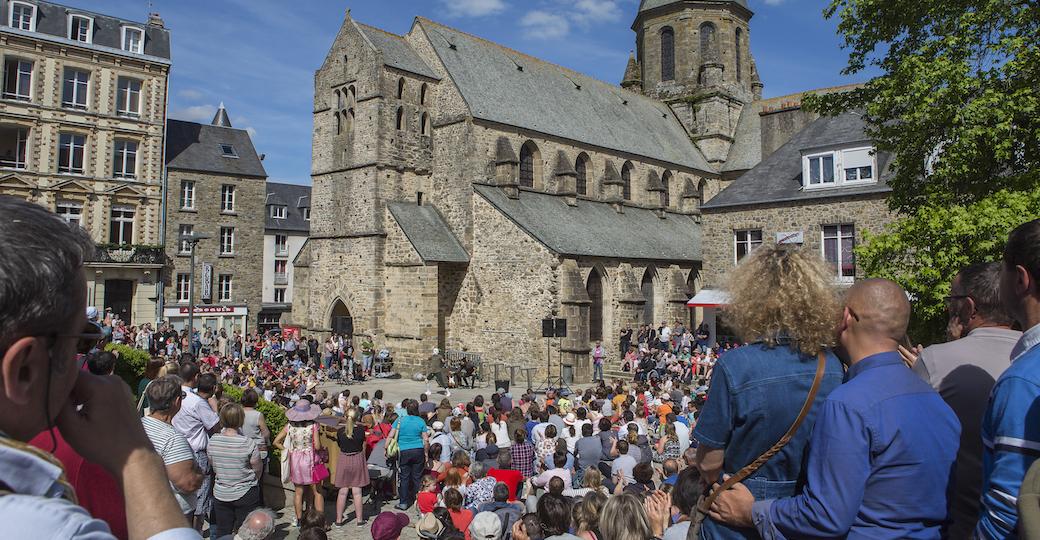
(867, 213)
(246, 264)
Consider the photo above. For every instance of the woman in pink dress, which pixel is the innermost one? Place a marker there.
(300, 439)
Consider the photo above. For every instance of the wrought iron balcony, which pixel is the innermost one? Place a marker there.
(129, 254)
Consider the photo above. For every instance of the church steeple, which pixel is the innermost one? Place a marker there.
(632, 80)
(221, 118)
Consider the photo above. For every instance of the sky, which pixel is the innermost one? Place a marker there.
(258, 57)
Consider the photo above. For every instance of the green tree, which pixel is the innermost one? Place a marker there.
(958, 98)
(958, 104)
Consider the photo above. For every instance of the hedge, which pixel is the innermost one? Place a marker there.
(274, 414)
(130, 365)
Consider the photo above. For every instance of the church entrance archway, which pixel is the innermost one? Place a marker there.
(341, 321)
(647, 288)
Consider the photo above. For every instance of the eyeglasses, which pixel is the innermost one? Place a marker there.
(88, 340)
(853, 313)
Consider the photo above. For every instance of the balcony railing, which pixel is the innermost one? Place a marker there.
(129, 254)
(281, 278)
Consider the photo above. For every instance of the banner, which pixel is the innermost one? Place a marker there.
(207, 282)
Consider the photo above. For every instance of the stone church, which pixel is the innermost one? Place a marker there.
(464, 191)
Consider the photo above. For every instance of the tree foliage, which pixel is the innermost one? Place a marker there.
(926, 249)
(958, 100)
(130, 364)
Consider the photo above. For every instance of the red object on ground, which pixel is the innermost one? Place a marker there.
(509, 477)
(98, 492)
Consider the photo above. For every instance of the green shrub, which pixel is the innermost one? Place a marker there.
(274, 414)
(131, 364)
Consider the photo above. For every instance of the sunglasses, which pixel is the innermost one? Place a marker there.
(88, 340)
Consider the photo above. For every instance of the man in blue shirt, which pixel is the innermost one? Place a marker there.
(882, 448)
(1010, 431)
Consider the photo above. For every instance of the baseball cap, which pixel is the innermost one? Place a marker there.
(485, 526)
(388, 525)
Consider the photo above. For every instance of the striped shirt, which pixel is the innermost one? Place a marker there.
(229, 457)
(173, 448)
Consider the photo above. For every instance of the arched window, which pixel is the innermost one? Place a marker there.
(667, 54)
(353, 95)
(530, 164)
(581, 167)
(647, 288)
(400, 88)
(666, 180)
(594, 287)
(700, 192)
(339, 124)
(422, 94)
(400, 118)
(339, 99)
(709, 52)
(626, 179)
(738, 46)
(350, 122)
(425, 125)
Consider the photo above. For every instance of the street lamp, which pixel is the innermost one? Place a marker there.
(192, 240)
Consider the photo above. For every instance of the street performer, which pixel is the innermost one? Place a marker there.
(437, 368)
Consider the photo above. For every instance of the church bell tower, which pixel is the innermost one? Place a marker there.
(694, 55)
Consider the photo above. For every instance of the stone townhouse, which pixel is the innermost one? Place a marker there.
(216, 186)
(287, 225)
(464, 191)
(82, 110)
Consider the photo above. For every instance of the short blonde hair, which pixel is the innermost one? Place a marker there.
(623, 517)
(779, 291)
(232, 415)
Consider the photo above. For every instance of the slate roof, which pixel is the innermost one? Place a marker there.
(191, 146)
(429, 233)
(595, 229)
(52, 21)
(550, 99)
(647, 5)
(746, 151)
(295, 198)
(396, 51)
(778, 177)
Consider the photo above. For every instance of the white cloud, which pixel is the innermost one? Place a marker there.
(594, 11)
(473, 8)
(545, 25)
(195, 113)
(190, 94)
(773, 2)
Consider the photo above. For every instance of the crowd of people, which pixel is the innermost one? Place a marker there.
(827, 423)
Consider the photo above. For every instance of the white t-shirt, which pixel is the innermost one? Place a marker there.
(666, 334)
(684, 435)
(195, 419)
(173, 448)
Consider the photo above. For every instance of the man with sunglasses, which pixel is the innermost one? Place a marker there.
(964, 371)
(42, 318)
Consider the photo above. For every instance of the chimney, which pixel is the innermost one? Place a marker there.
(155, 20)
(221, 118)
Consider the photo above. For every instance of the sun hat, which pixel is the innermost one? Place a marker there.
(485, 526)
(438, 425)
(302, 411)
(388, 525)
(429, 526)
(570, 419)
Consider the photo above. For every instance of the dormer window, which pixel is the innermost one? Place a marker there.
(23, 16)
(133, 39)
(228, 151)
(834, 168)
(81, 28)
(306, 211)
(278, 211)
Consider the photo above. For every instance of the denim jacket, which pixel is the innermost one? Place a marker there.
(755, 395)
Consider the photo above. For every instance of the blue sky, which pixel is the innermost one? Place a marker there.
(259, 56)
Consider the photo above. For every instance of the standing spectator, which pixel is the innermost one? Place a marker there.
(758, 390)
(597, 361)
(351, 468)
(412, 438)
(102, 363)
(255, 427)
(166, 397)
(1010, 432)
(237, 467)
(964, 371)
(151, 372)
(43, 329)
(881, 454)
(298, 441)
(625, 342)
(197, 421)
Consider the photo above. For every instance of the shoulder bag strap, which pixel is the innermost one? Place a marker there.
(821, 365)
(144, 393)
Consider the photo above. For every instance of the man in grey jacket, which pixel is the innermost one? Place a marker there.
(964, 371)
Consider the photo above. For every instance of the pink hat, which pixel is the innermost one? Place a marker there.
(388, 525)
(302, 411)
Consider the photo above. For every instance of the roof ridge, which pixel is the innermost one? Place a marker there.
(538, 60)
(376, 28)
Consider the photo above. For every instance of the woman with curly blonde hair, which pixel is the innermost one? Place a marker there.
(783, 301)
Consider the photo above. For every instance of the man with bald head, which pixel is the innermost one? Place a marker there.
(881, 450)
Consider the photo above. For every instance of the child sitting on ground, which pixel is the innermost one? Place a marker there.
(427, 498)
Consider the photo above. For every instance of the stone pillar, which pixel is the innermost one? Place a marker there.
(575, 304)
(613, 188)
(566, 179)
(507, 168)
